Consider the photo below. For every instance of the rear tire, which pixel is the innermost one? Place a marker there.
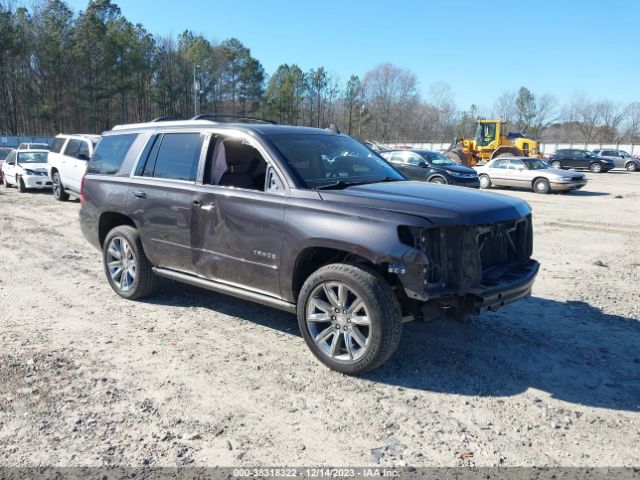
(541, 185)
(58, 188)
(556, 164)
(128, 269)
(349, 317)
(20, 184)
(632, 167)
(595, 167)
(485, 182)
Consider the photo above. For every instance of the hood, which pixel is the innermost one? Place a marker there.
(561, 172)
(37, 167)
(440, 204)
(455, 168)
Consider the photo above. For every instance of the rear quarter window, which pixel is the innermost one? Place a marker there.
(110, 153)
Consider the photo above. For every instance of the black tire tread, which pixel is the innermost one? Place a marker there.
(388, 308)
(146, 281)
(64, 196)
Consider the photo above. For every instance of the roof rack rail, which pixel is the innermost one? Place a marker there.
(165, 119)
(213, 117)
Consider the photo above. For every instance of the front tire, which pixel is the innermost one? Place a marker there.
(485, 181)
(632, 167)
(595, 167)
(541, 185)
(58, 188)
(349, 317)
(20, 184)
(438, 180)
(127, 267)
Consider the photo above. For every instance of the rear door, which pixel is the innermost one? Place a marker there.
(237, 215)
(160, 197)
(517, 173)
(67, 163)
(498, 172)
(78, 165)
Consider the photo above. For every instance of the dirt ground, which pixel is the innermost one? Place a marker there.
(191, 377)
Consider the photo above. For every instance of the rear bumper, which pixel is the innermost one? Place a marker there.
(507, 286)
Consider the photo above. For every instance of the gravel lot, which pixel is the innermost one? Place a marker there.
(191, 377)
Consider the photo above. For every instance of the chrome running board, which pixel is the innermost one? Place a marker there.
(220, 287)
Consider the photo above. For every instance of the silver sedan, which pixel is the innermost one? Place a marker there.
(526, 172)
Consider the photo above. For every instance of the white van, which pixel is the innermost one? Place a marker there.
(67, 163)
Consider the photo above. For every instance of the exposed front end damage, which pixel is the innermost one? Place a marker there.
(470, 268)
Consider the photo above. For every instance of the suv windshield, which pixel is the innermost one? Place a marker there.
(437, 158)
(323, 161)
(32, 157)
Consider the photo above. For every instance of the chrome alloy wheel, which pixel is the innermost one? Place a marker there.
(121, 263)
(338, 322)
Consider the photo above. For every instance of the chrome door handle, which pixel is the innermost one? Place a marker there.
(139, 194)
(208, 208)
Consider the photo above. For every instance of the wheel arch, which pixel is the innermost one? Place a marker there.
(437, 175)
(311, 258)
(109, 220)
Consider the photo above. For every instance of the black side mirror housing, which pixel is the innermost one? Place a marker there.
(82, 156)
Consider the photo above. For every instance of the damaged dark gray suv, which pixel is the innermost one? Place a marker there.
(306, 220)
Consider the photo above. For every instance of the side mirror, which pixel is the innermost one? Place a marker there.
(82, 156)
(423, 164)
(12, 162)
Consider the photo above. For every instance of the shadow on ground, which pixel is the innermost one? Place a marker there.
(573, 351)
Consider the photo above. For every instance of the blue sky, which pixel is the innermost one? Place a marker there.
(561, 47)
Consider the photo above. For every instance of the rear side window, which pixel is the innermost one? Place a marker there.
(57, 145)
(178, 156)
(110, 154)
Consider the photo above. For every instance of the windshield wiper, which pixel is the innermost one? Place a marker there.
(350, 183)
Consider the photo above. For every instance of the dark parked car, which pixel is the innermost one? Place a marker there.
(307, 220)
(621, 159)
(572, 158)
(4, 152)
(432, 167)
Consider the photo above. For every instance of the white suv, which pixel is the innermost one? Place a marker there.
(68, 159)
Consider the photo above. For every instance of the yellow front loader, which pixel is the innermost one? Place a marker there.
(491, 141)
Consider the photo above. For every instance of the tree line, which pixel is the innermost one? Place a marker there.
(62, 71)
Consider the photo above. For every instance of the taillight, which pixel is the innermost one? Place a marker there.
(82, 190)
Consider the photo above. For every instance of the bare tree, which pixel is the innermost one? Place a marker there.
(389, 89)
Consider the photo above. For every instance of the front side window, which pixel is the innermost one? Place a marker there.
(332, 161)
(72, 148)
(110, 154)
(233, 162)
(178, 156)
(415, 160)
(83, 151)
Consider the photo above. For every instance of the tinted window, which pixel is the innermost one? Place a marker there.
(58, 143)
(332, 161)
(83, 149)
(178, 156)
(72, 148)
(110, 154)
